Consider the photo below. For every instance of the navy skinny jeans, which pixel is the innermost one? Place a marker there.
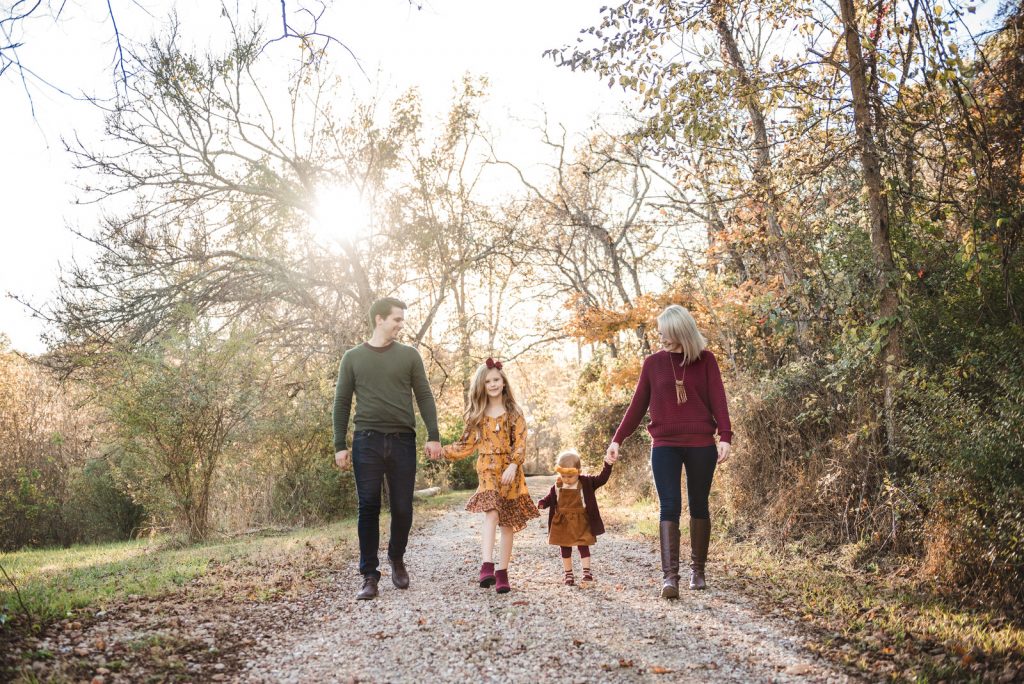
(377, 457)
(667, 464)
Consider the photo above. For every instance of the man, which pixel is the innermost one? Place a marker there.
(383, 374)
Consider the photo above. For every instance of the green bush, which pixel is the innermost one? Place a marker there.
(599, 401)
(449, 474)
(30, 509)
(105, 511)
(315, 492)
(963, 442)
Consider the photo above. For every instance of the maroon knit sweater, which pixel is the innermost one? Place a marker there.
(691, 424)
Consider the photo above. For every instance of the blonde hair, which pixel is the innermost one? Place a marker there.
(474, 413)
(569, 458)
(677, 324)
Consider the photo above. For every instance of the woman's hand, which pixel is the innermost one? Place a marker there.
(612, 455)
(509, 474)
(723, 452)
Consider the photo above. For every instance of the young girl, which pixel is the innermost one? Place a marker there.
(573, 518)
(496, 430)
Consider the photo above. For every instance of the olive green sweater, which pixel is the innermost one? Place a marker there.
(383, 380)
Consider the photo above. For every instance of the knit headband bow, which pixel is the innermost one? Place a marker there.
(567, 471)
(491, 363)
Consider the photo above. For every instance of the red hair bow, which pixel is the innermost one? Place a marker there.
(491, 363)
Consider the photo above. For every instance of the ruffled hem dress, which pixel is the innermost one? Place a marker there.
(498, 442)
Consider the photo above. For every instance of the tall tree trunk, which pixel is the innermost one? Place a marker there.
(878, 210)
(465, 343)
(762, 169)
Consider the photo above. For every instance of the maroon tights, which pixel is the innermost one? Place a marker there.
(567, 551)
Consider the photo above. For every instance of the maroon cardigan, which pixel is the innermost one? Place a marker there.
(588, 483)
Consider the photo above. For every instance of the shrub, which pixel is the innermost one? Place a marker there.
(44, 440)
(599, 401)
(105, 511)
(809, 458)
(448, 474)
(963, 442)
(176, 409)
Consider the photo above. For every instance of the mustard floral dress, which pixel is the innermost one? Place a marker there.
(498, 441)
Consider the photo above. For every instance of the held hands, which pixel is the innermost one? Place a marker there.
(723, 452)
(612, 455)
(433, 450)
(509, 474)
(342, 459)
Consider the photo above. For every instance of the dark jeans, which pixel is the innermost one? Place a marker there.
(376, 456)
(667, 463)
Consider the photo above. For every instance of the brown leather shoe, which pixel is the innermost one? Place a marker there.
(369, 590)
(670, 559)
(399, 575)
(700, 538)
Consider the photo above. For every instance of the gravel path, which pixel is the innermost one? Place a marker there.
(445, 628)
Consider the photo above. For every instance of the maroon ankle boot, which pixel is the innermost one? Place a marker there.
(487, 575)
(502, 586)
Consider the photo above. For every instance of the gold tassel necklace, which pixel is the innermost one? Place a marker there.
(680, 386)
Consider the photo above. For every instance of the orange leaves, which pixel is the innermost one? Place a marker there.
(624, 374)
(599, 323)
(602, 323)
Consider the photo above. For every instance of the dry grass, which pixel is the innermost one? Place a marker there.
(882, 621)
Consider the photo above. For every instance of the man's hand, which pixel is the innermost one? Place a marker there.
(509, 474)
(433, 450)
(612, 455)
(342, 459)
(723, 452)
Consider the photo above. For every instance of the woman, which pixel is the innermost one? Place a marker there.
(682, 387)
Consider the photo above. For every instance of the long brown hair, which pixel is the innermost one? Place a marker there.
(474, 414)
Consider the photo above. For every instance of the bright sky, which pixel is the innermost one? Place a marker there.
(431, 48)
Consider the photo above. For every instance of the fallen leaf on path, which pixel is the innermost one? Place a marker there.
(658, 669)
(625, 663)
(798, 669)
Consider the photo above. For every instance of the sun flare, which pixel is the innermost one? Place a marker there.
(341, 215)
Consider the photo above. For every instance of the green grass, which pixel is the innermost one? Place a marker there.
(56, 583)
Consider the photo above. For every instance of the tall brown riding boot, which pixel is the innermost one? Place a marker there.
(700, 537)
(670, 559)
